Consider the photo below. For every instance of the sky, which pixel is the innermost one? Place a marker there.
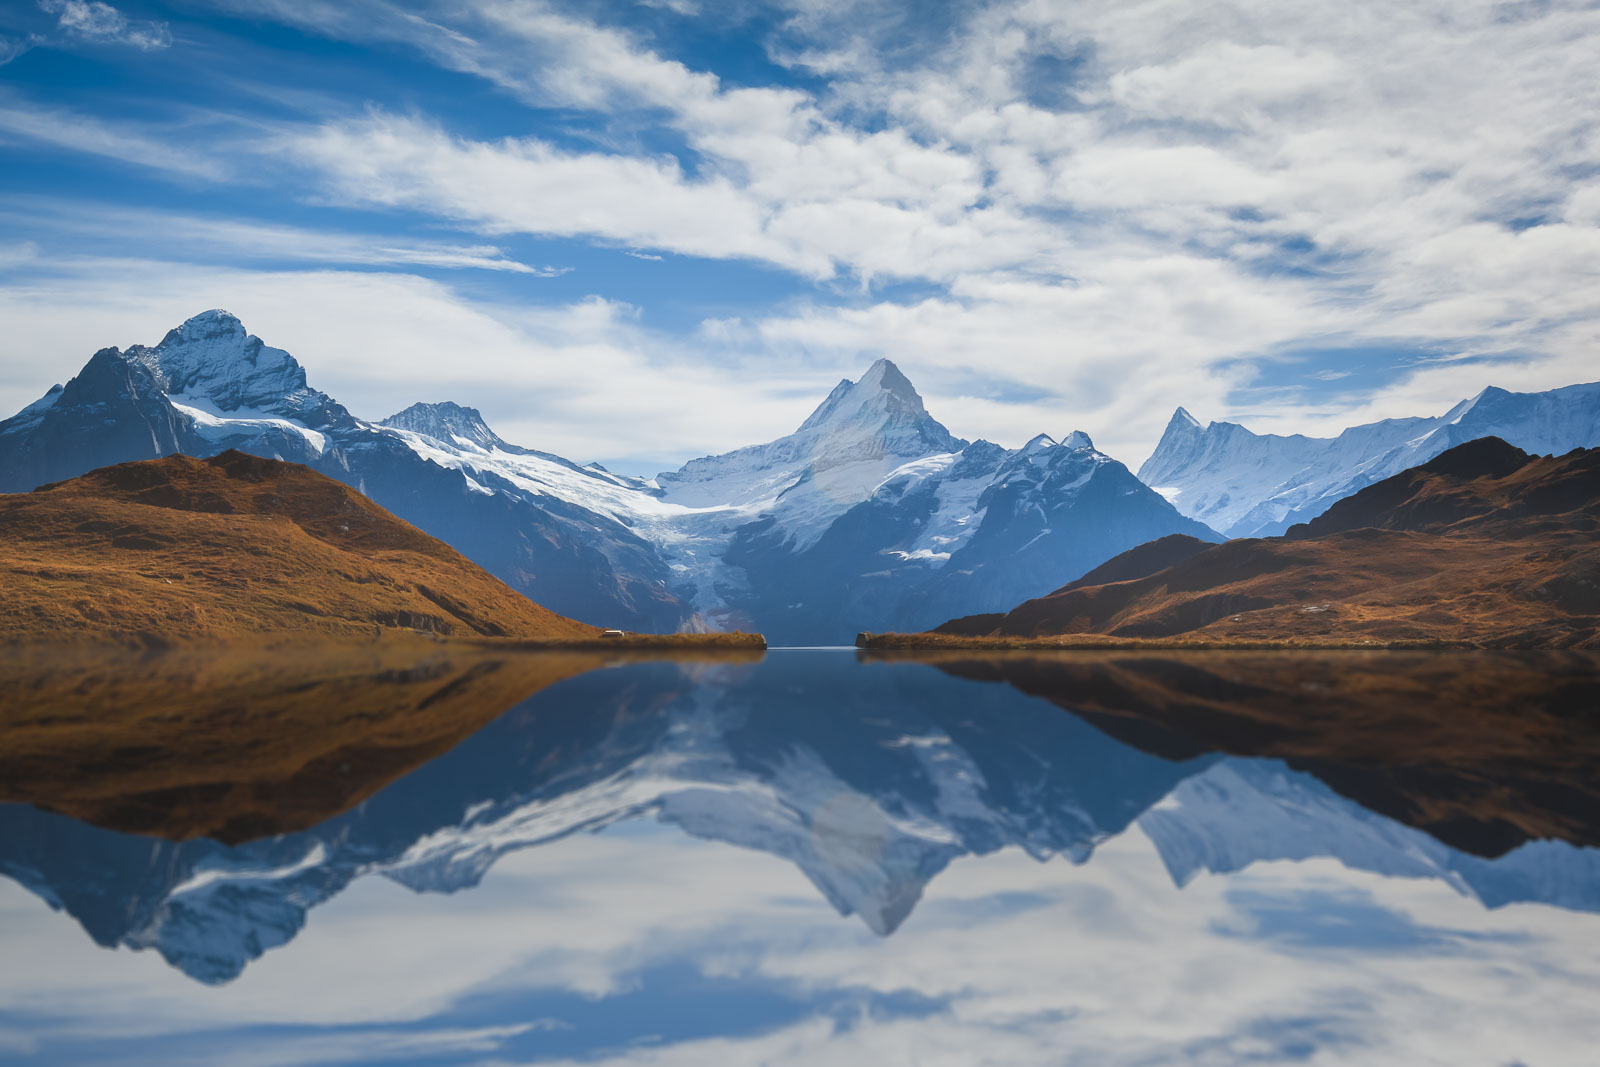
(637, 231)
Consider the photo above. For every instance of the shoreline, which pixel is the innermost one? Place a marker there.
(933, 642)
(144, 641)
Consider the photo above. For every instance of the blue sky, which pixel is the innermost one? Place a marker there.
(642, 231)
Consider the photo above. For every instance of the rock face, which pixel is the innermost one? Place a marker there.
(232, 546)
(1258, 485)
(1484, 544)
(871, 514)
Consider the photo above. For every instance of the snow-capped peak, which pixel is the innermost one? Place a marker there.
(212, 358)
(206, 326)
(1077, 439)
(447, 423)
(1039, 443)
(861, 432)
(883, 393)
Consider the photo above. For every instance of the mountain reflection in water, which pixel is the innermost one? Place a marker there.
(872, 778)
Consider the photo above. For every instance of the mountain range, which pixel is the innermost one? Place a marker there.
(870, 514)
(1245, 484)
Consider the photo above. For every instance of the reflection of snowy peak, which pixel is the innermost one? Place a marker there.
(869, 780)
(715, 544)
(1255, 485)
(1240, 812)
(870, 789)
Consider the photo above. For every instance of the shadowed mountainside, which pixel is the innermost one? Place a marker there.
(232, 546)
(1482, 749)
(1483, 545)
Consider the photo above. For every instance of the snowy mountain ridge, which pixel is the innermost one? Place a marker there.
(1258, 485)
(869, 491)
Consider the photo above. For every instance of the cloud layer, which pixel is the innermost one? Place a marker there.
(1053, 215)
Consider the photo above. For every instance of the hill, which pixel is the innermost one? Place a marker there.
(1482, 545)
(234, 546)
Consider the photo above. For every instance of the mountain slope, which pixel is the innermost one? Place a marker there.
(1257, 485)
(1483, 544)
(236, 545)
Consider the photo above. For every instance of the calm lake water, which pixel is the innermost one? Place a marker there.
(807, 859)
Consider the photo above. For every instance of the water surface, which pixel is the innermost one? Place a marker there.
(819, 859)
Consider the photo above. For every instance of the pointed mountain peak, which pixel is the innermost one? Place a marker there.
(1182, 419)
(882, 391)
(885, 377)
(1039, 443)
(1077, 439)
(447, 423)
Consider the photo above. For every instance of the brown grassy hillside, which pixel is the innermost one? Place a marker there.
(1484, 545)
(235, 546)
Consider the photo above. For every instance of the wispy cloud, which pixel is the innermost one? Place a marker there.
(13, 47)
(199, 239)
(143, 145)
(97, 21)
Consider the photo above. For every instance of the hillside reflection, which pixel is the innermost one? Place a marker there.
(870, 777)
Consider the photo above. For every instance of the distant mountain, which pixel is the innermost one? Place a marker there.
(232, 546)
(1257, 485)
(870, 514)
(1483, 544)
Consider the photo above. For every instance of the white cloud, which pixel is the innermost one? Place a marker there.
(98, 21)
(13, 47)
(1221, 185)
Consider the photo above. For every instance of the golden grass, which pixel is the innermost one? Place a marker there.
(236, 547)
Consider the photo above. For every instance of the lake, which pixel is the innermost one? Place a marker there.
(813, 856)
